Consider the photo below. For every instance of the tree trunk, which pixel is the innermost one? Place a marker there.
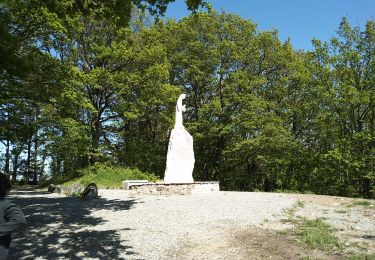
(366, 188)
(44, 157)
(28, 162)
(7, 158)
(15, 164)
(95, 136)
(35, 159)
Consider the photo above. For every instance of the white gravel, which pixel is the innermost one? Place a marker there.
(143, 227)
(354, 229)
(158, 222)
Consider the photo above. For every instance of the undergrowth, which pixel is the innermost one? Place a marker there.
(106, 176)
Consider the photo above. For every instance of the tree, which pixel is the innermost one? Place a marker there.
(39, 44)
(349, 100)
(229, 72)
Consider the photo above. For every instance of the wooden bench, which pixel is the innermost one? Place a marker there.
(128, 183)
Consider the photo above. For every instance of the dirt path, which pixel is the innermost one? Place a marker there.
(242, 244)
(353, 222)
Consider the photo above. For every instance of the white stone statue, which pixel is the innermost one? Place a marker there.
(180, 157)
(179, 109)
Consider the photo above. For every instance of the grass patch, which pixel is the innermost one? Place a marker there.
(317, 235)
(105, 176)
(341, 211)
(293, 191)
(362, 257)
(283, 232)
(300, 204)
(364, 203)
(290, 212)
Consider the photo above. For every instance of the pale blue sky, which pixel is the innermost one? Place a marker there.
(301, 20)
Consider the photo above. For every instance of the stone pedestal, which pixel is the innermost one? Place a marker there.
(180, 157)
(174, 188)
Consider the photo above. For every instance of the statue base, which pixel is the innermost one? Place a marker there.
(180, 157)
(175, 188)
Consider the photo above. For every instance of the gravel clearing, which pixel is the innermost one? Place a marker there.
(353, 224)
(213, 225)
(157, 223)
(120, 226)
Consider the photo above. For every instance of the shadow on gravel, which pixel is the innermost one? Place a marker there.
(61, 227)
(369, 237)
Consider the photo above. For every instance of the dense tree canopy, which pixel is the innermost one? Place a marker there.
(85, 82)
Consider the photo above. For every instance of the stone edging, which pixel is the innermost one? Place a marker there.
(177, 188)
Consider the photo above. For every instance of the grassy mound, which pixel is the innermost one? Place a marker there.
(105, 176)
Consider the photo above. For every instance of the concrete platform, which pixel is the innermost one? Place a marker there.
(175, 188)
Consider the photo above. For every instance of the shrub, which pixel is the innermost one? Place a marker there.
(106, 176)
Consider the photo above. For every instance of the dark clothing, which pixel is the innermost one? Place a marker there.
(5, 241)
(11, 218)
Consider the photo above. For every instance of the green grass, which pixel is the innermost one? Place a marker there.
(283, 232)
(341, 211)
(362, 257)
(317, 235)
(300, 204)
(293, 191)
(364, 203)
(290, 212)
(109, 176)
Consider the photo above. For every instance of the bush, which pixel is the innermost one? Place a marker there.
(106, 176)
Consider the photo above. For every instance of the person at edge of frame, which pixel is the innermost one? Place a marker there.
(11, 218)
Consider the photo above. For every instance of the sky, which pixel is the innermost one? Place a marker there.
(299, 20)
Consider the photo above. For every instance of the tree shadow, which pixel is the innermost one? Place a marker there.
(63, 228)
(369, 237)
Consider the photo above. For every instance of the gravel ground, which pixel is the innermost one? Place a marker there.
(143, 227)
(214, 225)
(353, 224)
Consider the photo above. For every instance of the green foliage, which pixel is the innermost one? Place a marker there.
(300, 204)
(86, 83)
(317, 235)
(364, 203)
(362, 257)
(105, 176)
